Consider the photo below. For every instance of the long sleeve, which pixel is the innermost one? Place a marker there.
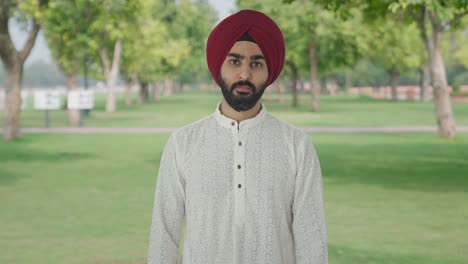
(168, 211)
(309, 227)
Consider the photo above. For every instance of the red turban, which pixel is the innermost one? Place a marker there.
(257, 25)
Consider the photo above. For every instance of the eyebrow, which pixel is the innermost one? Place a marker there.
(241, 57)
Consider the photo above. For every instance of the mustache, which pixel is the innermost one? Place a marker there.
(244, 83)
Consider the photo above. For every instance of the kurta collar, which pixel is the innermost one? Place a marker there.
(231, 123)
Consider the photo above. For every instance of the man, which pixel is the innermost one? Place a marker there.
(248, 184)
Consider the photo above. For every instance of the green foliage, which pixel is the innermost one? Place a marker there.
(169, 41)
(65, 30)
(191, 21)
(339, 43)
(459, 40)
(365, 73)
(75, 30)
(396, 46)
(148, 47)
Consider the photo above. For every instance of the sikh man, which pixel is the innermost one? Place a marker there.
(248, 184)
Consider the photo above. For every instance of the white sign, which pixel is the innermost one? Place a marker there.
(81, 99)
(47, 100)
(24, 100)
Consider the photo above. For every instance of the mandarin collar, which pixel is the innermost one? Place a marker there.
(245, 124)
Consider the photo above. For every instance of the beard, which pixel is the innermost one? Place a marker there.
(241, 102)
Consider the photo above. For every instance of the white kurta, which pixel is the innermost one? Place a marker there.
(251, 192)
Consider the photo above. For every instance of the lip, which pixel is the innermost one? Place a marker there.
(243, 89)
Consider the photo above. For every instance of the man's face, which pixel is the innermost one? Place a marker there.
(244, 74)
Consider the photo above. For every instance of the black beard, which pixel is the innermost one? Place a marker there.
(241, 103)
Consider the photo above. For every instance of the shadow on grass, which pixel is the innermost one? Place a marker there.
(20, 151)
(22, 155)
(339, 254)
(8, 177)
(419, 167)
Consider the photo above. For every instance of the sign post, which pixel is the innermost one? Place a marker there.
(80, 100)
(47, 100)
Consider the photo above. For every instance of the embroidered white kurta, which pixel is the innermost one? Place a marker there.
(251, 192)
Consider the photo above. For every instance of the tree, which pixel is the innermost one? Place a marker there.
(110, 23)
(151, 51)
(312, 30)
(65, 31)
(188, 24)
(434, 17)
(193, 22)
(395, 48)
(13, 59)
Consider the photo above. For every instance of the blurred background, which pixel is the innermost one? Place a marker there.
(90, 91)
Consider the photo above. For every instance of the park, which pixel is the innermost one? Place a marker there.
(77, 183)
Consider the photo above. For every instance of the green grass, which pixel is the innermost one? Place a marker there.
(179, 110)
(390, 198)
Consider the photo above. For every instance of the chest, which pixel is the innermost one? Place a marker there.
(261, 167)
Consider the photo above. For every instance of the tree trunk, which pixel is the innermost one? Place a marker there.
(347, 79)
(144, 93)
(443, 105)
(128, 94)
(178, 87)
(131, 82)
(323, 86)
(281, 90)
(73, 114)
(293, 81)
(12, 111)
(156, 92)
(424, 82)
(394, 78)
(168, 87)
(13, 61)
(111, 72)
(315, 87)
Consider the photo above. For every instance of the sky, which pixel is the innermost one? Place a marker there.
(42, 52)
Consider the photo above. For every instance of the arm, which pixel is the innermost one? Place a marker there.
(309, 228)
(168, 212)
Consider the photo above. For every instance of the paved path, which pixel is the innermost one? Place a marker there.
(155, 130)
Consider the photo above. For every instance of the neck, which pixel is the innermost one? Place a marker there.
(228, 111)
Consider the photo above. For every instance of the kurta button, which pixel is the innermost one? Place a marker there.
(233, 123)
(239, 186)
(240, 143)
(238, 166)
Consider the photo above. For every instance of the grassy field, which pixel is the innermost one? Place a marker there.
(390, 198)
(343, 110)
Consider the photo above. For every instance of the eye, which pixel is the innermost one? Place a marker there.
(256, 64)
(234, 61)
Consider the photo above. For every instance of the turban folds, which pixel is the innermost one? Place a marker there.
(257, 25)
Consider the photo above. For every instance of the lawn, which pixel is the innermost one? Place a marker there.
(187, 107)
(390, 198)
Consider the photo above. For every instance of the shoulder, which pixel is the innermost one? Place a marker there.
(187, 136)
(293, 133)
(297, 140)
(193, 128)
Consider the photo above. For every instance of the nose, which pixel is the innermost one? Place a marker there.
(245, 72)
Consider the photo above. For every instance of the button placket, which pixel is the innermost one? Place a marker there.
(239, 176)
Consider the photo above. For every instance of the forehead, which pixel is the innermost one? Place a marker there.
(246, 48)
